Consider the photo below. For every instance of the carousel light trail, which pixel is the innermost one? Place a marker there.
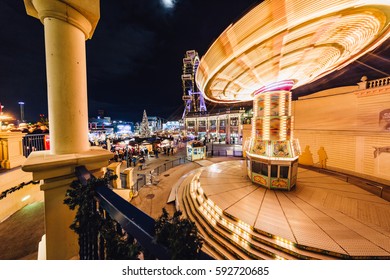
(276, 47)
(281, 40)
(241, 233)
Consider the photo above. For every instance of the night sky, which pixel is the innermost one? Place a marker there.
(134, 59)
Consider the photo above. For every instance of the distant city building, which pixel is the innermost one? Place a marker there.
(155, 123)
(171, 125)
(102, 124)
(123, 128)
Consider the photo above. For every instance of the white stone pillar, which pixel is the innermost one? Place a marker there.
(66, 30)
(67, 87)
(67, 24)
(57, 171)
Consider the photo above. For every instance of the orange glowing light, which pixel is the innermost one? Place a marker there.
(290, 39)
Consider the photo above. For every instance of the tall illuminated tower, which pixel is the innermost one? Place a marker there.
(21, 104)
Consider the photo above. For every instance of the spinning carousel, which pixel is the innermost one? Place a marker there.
(278, 46)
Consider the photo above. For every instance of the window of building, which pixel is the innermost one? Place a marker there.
(274, 171)
(264, 169)
(283, 172)
(256, 167)
(234, 121)
(212, 125)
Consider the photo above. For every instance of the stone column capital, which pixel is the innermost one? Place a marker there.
(83, 14)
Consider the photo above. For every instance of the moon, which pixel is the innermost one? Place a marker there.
(168, 3)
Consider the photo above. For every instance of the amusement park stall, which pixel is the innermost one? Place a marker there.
(196, 150)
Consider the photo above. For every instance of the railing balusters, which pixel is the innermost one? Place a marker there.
(127, 222)
(378, 83)
(141, 179)
(33, 142)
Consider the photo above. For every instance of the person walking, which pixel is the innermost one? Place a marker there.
(134, 160)
(141, 163)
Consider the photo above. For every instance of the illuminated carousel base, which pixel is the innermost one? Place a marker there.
(322, 218)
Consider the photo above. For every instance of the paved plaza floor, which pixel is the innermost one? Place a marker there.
(322, 212)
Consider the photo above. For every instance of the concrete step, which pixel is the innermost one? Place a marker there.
(222, 237)
(212, 242)
(257, 245)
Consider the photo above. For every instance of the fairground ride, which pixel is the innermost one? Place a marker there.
(192, 97)
(276, 47)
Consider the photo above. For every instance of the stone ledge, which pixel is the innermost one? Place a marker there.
(45, 165)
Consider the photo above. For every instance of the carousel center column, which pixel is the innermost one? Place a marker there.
(272, 155)
(67, 24)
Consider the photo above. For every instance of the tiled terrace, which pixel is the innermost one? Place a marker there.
(322, 213)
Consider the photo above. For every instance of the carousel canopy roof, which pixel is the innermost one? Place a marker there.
(299, 40)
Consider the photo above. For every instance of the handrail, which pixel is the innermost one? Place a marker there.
(156, 170)
(4, 194)
(131, 219)
(33, 142)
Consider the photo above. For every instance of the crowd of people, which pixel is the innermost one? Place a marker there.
(137, 156)
(132, 155)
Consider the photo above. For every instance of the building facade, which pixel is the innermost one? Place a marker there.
(222, 126)
(347, 129)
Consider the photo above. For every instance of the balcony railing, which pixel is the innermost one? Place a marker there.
(379, 83)
(151, 177)
(33, 142)
(132, 221)
(223, 150)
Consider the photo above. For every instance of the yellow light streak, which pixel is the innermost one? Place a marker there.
(283, 39)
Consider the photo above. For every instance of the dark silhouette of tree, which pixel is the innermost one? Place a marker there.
(179, 235)
(99, 237)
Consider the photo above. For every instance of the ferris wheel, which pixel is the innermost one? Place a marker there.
(192, 97)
